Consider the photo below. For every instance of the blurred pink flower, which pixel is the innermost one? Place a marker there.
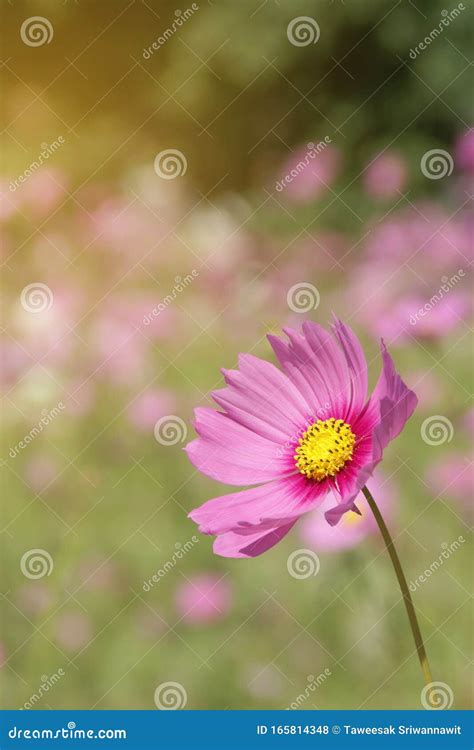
(73, 630)
(126, 227)
(427, 387)
(14, 361)
(413, 280)
(80, 397)
(385, 176)
(120, 350)
(41, 471)
(468, 422)
(145, 410)
(418, 233)
(44, 190)
(9, 201)
(464, 151)
(203, 598)
(96, 573)
(35, 597)
(121, 338)
(453, 476)
(304, 178)
(318, 535)
(47, 336)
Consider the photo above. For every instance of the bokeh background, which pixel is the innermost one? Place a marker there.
(128, 282)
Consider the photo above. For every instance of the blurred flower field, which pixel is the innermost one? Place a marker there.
(159, 216)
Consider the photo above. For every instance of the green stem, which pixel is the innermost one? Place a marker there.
(415, 628)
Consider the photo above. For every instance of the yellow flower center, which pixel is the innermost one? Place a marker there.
(325, 448)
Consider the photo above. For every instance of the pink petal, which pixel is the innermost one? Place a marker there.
(390, 407)
(231, 453)
(245, 544)
(262, 398)
(357, 366)
(397, 404)
(271, 503)
(330, 371)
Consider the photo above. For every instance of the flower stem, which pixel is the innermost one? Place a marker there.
(415, 628)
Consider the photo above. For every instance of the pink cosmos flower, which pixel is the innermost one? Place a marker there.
(297, 433)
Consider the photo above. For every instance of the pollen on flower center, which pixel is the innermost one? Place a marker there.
(324, 449)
